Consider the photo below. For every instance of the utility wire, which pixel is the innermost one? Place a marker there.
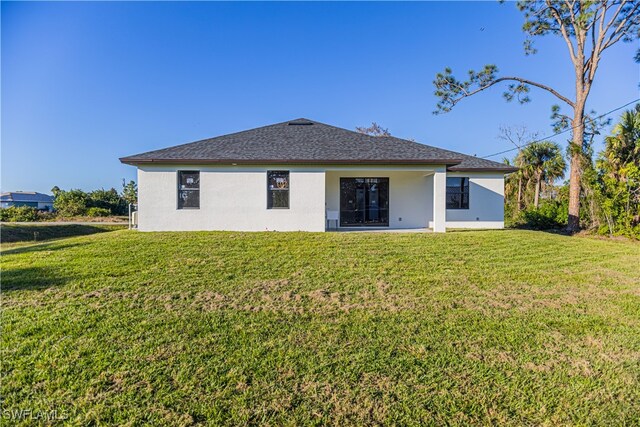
(561, 132)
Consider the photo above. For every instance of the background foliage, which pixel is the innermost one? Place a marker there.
(19, 214)
(77, 203)
(96, 203)
(610, 200)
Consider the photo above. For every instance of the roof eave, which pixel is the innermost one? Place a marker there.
(506, 169)
(134, 161)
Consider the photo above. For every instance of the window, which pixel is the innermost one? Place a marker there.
(277, 189)
(457, 193)
(188, 189)
(364, 202)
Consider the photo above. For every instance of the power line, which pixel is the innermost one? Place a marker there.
(561, 132)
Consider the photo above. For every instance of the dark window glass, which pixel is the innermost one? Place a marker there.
(457, 193)
(364, 202)
(277, 189)
(188, 189)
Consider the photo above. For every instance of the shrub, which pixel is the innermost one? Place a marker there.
(46, 216)
(19, 214)
(107, 199)
(550, 214)
(98, 212)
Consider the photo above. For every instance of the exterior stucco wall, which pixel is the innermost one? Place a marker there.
(235, 198)
(486, 202)
(410, 194)
(231, 198)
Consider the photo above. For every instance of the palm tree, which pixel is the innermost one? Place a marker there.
(523, 178)
(624, 146)
(618, 161)
(543, 162)
(516, 181)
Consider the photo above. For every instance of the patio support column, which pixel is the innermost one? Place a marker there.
(439, 200)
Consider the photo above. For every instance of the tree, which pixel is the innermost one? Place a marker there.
(108, 200)
(520, 137)
(523, 177)
(619, 176)
(588, 28)
(373, 130)
(544, 162)
(71, 203)
(130, 192)
(514, 184)
(623, 147)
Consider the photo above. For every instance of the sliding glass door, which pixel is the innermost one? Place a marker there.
(364, 202)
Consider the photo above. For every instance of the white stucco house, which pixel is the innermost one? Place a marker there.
(309, 176)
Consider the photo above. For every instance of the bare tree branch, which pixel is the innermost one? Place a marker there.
(374, 130)
(519, 136)
(588, 65)
(563, 31)
(620, 30)
(615, 15)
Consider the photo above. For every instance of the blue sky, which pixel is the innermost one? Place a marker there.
(86, 83)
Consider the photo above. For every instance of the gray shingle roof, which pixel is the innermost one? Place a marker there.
(25, 196)
(472, 163)
(305, 141)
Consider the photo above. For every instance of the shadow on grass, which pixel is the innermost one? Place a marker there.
(37, 247)
(475, 230)
(558, 231)
(30, 278)
(10, 233)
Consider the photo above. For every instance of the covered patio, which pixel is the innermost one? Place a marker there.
(386, 199)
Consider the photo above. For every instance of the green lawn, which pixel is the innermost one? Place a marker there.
(11, 233)
(482, 327)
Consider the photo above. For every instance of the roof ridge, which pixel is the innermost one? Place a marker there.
(319, 144)
(20, 192)
(209, 139)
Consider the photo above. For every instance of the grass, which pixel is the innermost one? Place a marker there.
(477, 327)
(11, 233)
